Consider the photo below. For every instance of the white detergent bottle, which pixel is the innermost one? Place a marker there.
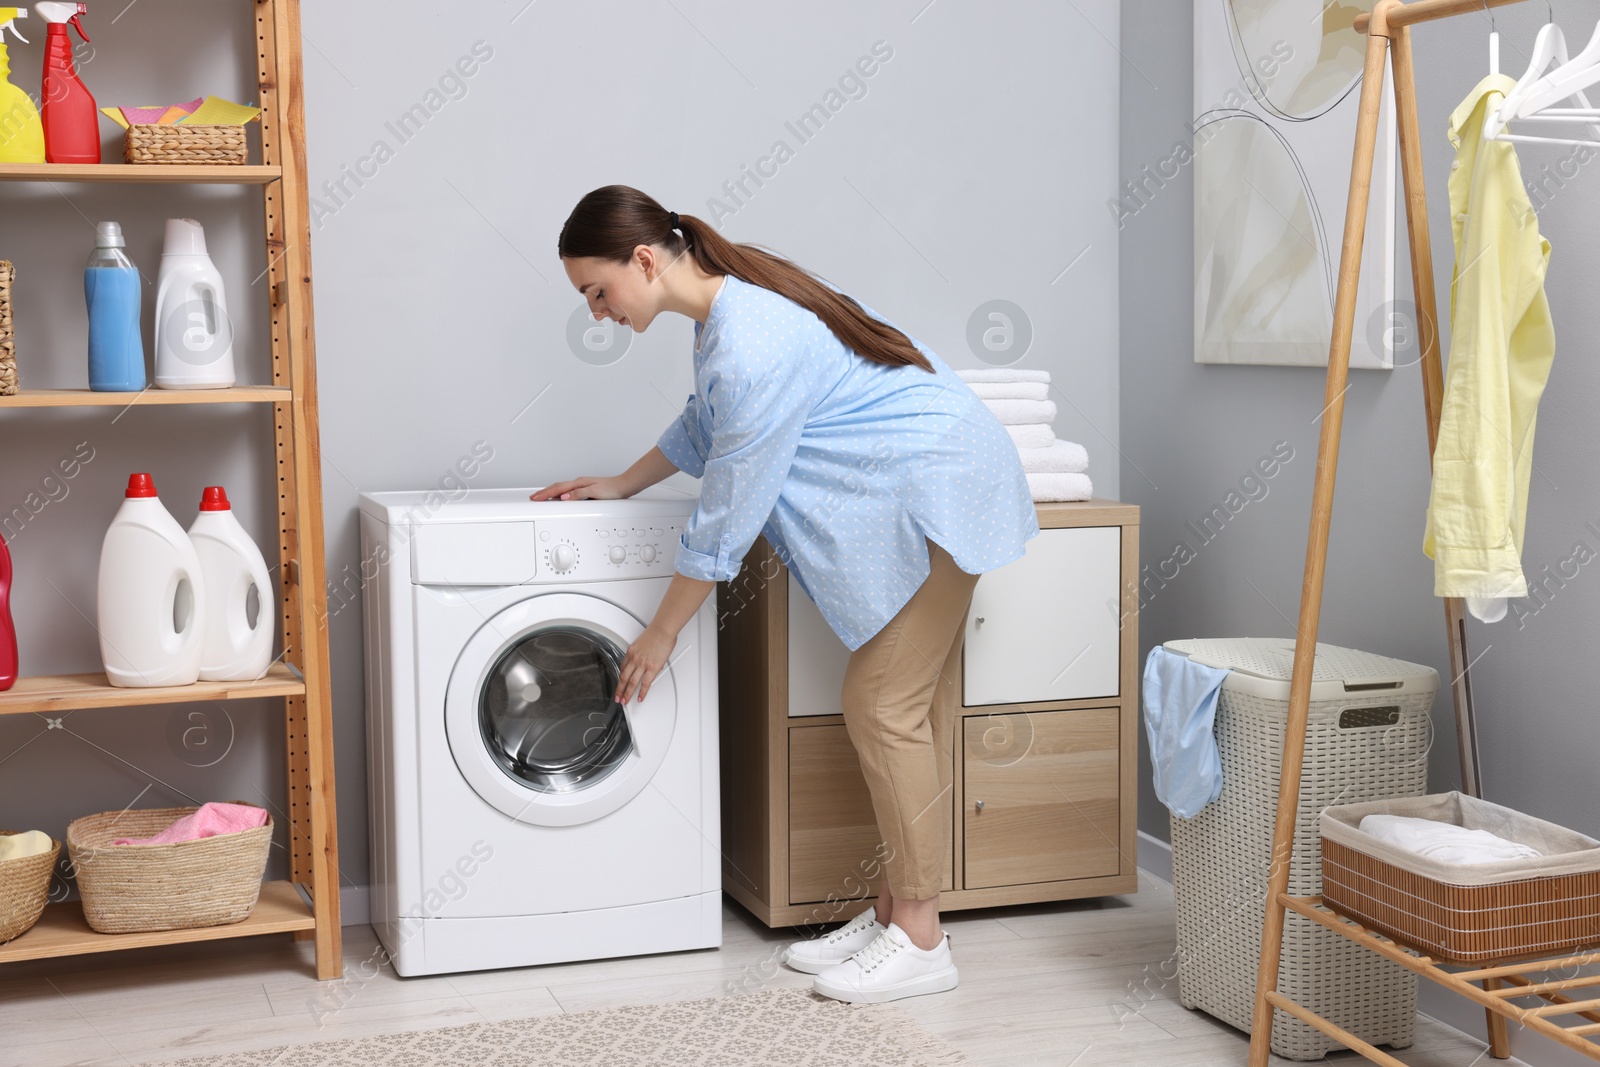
(194, 336)
(238, 647)
(152, 595)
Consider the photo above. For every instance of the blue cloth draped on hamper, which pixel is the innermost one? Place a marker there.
(1180, 706)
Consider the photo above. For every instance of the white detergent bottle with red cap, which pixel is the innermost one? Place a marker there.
(238, 634)
(152, 595)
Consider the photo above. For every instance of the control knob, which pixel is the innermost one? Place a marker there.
(563, 557)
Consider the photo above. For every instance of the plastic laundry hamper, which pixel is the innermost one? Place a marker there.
(1367, 738)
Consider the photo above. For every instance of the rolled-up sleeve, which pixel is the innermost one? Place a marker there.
(758, 410)
(685, 442)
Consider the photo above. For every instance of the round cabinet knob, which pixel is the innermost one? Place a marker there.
(617, 554)
(563, 557)
(647, 553)
(980, 621)
(978, 804)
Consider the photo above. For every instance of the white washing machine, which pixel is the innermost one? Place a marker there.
(519, 815)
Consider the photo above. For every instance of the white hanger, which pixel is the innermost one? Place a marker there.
(1530, 99)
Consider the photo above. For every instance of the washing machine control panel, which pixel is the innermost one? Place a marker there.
(586, 548)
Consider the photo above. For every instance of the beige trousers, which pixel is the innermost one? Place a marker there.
(899, 706)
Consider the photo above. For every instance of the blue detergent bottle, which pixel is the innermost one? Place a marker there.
(112, 288)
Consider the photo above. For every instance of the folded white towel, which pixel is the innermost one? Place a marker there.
(27, 843)
(1012, 390)
(1032, 435)
(1060, 485)
(1017, 412)
(1004, 374)
(1065, 456)
(1444, 842)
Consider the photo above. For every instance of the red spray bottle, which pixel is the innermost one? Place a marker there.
(8, 632)
(71, 121)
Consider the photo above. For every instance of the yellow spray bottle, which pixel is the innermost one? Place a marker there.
(21, 132)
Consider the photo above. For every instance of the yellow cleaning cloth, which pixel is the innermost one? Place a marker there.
(17, 846)
(219, 112)
(115, 115)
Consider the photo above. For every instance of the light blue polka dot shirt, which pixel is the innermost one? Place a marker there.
(844, 464)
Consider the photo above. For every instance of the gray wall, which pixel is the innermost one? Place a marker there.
(943, 181)
(1190, 432)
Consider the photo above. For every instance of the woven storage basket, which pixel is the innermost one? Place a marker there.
(1367, 736)
(24, 887)
(8, 346)
(150, 143)
(1465, 913)
(128, 888)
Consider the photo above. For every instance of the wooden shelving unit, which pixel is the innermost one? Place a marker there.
(61, 930)
(84, 398)
(308, 903)
(70, 692)
(147, 173)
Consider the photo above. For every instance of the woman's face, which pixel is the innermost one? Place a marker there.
(622, 292)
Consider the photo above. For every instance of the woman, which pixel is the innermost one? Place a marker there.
(878, 477)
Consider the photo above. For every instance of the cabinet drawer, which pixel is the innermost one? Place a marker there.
(1042, 801)
(834, 845)
(1047, 626)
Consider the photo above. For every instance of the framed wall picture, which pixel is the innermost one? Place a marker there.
(1276, 88)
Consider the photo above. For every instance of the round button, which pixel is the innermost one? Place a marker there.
(544, 535)
(563, 557)
(618, 553)
(647, 553)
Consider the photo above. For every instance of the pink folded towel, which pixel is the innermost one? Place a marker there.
(211, 820)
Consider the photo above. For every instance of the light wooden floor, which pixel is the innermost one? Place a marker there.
(1053, 985)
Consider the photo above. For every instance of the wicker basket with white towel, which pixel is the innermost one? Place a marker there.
(1020, 399)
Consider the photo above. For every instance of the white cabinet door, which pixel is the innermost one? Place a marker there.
(817, 659)
(1046, 627)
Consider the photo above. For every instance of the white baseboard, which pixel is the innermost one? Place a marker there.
(1155, 857)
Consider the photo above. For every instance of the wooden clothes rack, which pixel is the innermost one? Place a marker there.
(1388, 31)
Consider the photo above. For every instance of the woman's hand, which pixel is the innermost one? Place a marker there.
(583, 489)
(645, 659)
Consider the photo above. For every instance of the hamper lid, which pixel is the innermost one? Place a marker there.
(1271, 659)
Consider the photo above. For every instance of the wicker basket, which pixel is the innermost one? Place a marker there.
(150, 143)
(8, 347)
(24, 887)
(127, 888)
(1465, 913)
(1367, 736)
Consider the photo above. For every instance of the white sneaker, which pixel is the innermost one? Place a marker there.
(830, 950)
(888, 969)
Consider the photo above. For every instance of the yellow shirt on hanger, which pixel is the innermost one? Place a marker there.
(1501, 345)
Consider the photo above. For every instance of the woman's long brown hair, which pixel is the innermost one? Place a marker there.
(612, 221)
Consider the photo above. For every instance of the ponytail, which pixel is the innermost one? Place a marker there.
(612, 221)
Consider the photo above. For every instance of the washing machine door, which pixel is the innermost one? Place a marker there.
(531, 717)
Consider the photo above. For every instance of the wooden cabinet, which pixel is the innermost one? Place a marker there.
(1043, 787)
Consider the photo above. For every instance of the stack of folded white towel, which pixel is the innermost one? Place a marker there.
(1021, 401)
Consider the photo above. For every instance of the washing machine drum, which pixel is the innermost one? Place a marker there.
(532, 718)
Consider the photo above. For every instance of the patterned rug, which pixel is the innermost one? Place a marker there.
(777, 1028)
